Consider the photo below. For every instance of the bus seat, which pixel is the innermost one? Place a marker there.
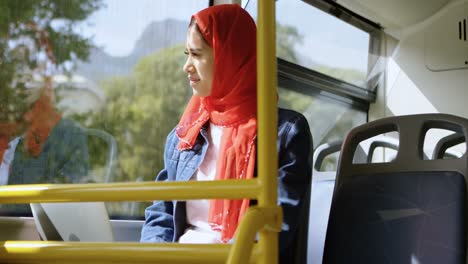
(323, 183)
(441, 149)
(111, 152)
(410, 210)
(382, 142)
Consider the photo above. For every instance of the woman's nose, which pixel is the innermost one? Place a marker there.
(188, 66)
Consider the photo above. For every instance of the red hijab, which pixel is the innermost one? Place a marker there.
(39, 122)
(231, 32)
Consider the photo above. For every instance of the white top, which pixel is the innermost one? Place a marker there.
(8, 156)
(199, 230)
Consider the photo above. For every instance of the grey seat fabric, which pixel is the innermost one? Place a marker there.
(409, 210)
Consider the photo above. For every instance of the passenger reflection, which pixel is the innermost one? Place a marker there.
(41, 146)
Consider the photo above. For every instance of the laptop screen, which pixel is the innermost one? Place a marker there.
(73, 221)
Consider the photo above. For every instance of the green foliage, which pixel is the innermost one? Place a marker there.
(26, 26)
(140, 111)
(293, 100)
(286, 38)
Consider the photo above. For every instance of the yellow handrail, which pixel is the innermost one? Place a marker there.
(97, 252)
(132, 191)
(265, 218)
(254, 220)
(267, 123)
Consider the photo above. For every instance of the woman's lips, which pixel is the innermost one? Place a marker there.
(194, 80)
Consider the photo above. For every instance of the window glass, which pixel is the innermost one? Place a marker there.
(311, 38)
(329, 119)
(319, 41)
(89, 90)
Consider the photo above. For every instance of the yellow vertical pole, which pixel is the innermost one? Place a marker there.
(267, 123)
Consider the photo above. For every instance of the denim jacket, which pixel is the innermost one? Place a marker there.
(166, 221)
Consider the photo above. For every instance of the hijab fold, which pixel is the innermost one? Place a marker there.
(232, 104)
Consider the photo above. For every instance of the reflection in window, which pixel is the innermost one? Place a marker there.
(111, 74)
(329, 119)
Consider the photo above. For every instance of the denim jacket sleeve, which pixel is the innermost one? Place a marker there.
(159, 217)
(295, 171)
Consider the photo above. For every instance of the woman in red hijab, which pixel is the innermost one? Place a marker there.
(216, 136)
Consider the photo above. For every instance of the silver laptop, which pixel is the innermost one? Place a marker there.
(73, 221)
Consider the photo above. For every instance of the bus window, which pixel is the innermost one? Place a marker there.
(327, 80)
(113, 72)
(329, 119)
(321, 40)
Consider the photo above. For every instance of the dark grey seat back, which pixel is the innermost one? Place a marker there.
(410, 210)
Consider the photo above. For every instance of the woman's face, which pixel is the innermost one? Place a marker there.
(200, 63)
